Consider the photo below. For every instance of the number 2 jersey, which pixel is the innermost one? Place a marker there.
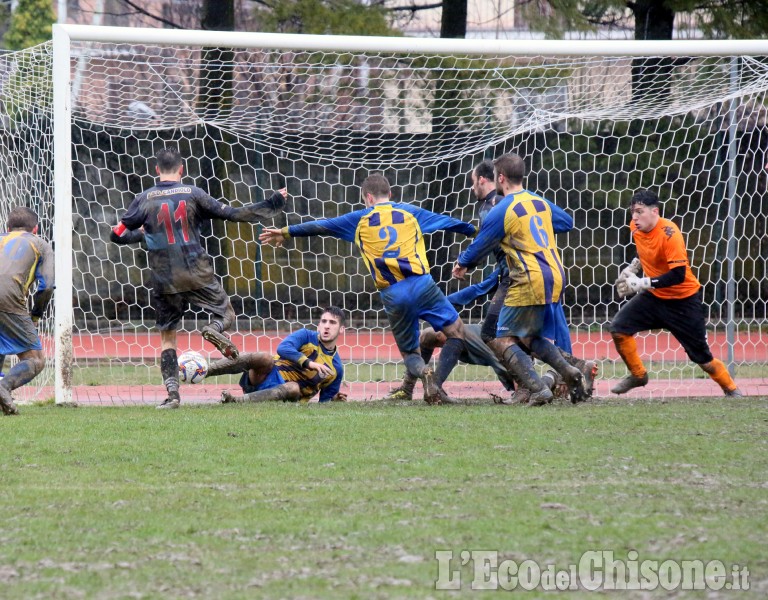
(525, 225)
(390, 236)
(171, 214)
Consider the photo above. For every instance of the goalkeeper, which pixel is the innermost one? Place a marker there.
(668, 297)
(24, 259)
(168, 218)
(307, 362)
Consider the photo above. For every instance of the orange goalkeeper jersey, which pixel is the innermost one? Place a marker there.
(661, 250)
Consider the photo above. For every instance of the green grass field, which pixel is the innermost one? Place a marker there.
(353, 500)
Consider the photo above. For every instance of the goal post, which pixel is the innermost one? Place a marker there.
(594, 121)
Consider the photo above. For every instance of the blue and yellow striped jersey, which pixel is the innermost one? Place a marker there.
(390, 236)
(304, 346)
(524, 224)
(24, 259)
(392, 245)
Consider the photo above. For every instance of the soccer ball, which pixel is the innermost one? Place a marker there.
(192, 367)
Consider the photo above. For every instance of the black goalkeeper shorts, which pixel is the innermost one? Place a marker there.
(684, 319)
(169, 308)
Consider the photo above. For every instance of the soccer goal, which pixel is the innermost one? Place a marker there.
(594, 120)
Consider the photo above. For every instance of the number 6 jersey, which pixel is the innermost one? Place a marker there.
(525, 225)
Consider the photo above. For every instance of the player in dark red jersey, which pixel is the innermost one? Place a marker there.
(168, 218)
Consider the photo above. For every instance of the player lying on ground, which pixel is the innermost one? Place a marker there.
(168, 218)
(523, 224)
(307, 362)
(668, 297)
(24, 259)
(390, 236)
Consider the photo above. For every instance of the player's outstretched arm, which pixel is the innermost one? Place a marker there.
(258, 211)
(272, 236)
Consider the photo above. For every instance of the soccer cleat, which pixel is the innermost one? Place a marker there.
(400, 393)
(556, 384)
(169, 403)
(540, 398)
(734, 393)
(431, 389)
(520, 397)
(446, 399)
(227, 398)
(589, 372)
(575, 381)
(6, 402)
(222, 342)
(628, 383)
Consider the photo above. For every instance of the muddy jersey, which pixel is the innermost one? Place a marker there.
(171, 214)
(525, 225)
(296, 351)
(491, 200)
(24, 260)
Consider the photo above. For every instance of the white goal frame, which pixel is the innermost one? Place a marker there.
(63, 35)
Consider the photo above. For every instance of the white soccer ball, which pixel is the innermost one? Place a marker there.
(192, 367)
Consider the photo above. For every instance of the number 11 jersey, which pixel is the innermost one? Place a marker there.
(171, 214)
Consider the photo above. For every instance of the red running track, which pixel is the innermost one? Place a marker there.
(377, 346)
(380, 347)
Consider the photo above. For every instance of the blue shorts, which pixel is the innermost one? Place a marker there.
(273, 380)
(412, 299)
(542, 320)
(18, 334)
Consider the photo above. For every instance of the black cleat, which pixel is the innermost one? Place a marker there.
(222, 342)
(6, 402)
(169, 403)
(630, 382)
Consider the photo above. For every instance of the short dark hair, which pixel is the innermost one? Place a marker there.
(336, 312)
(646, 197)
(376, 185)
(168, 159)
(485, 169)
(21, 217)
(511, 166)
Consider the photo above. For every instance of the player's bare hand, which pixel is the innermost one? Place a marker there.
(283, 192)
(272, 236)
(340, 397)
(458, 271)
(322, 369)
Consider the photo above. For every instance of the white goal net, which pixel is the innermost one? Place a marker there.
(257, 112)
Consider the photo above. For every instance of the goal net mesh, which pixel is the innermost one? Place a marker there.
(592, 131)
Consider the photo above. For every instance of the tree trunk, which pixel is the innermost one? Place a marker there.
(453, 24)
(215, 103)
(654, 20)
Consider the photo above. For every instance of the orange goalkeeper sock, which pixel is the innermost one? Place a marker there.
(717, 371)
(627, 349)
